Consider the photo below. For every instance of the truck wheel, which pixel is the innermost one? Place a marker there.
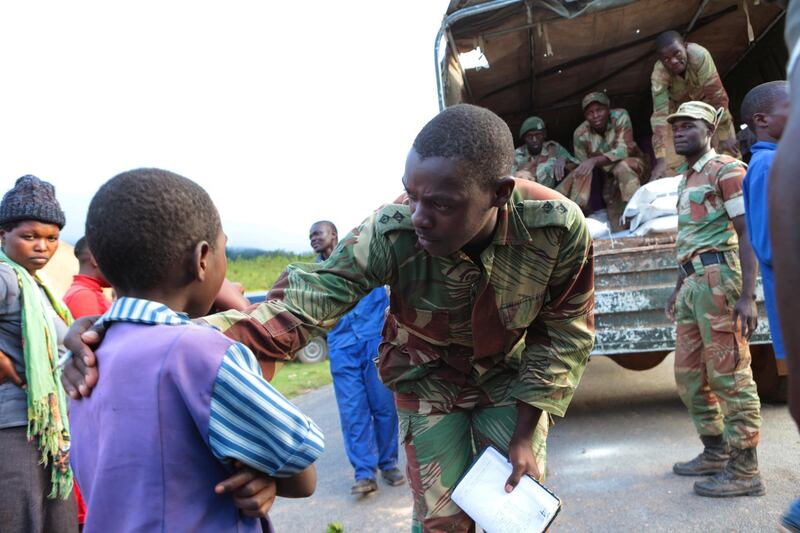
(314, 352)
(772, 386)
(639, 361)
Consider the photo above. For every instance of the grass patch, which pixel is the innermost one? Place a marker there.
(260, 273)
(298, 378)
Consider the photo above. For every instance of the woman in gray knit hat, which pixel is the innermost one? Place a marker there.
(35, 478)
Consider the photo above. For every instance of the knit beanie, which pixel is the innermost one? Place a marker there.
(31, 199)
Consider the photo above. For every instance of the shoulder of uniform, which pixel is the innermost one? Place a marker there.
(393, 217)
(520, 150)
(539, 206)
(721, 164)
(548, 213)
(583, 129)
(618, 113)
(695, 51)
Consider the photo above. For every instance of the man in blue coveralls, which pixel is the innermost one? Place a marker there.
(366, 407)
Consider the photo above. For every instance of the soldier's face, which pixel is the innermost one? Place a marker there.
(450, 211)
(534, 141)
(691, 135)
(674, 58)
(597, 116)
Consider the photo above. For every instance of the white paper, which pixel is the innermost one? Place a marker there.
(481, 494)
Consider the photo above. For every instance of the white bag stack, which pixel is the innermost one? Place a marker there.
(654, 207)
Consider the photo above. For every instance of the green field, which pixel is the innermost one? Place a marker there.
(260, 272)
(297, 378)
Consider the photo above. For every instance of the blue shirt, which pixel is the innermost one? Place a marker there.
(249, 420)
(755, 199)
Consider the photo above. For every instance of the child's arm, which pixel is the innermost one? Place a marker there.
(300, 485)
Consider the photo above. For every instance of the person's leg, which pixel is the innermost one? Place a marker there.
(493, 426)
(727, 359)
(577, 188)
(693, 388)
(438, 450)
(382, 409)
(25, 485)
(354, 414)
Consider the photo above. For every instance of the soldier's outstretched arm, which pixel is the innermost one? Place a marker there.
(308, 299)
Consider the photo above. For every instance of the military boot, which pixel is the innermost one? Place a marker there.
(740, 477)
(713, 459)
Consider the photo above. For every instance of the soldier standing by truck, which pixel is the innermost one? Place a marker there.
(715, 290)
(685, 72)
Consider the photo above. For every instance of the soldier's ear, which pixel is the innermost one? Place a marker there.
(502, 191)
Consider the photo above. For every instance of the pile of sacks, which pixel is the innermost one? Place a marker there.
(652, 209)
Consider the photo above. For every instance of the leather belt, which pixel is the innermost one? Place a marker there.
(706, 258)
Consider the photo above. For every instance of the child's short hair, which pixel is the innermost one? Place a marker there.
(144, 224)
(762, 98)
(473, 134)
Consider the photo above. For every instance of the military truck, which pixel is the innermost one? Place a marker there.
(540, 57)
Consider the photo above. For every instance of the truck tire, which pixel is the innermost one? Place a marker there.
(314, 352)
(639, 361)
(772, 386)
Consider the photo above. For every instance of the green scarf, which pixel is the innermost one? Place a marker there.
(47, 405)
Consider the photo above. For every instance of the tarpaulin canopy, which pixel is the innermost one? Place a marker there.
(545, 55)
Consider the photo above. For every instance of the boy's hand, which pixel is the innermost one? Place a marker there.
(253, 491)
(79, 374)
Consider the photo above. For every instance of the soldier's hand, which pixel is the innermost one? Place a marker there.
(659, 169)
(745, 316)
(8, 372)
(669, 309)
(585, 169)
(520, 455)
(558, 168)
(253, 492)
(79, 374)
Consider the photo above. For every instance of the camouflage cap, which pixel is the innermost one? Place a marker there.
(600, 98)
(531, 124)
(697, 110)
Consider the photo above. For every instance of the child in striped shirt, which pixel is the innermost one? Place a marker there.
(179, 403)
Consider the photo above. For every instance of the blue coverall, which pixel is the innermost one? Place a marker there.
(757, 219)
(366, 407)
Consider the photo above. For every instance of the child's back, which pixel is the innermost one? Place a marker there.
(177, 402)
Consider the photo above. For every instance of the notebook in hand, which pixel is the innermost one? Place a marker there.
(481, 493)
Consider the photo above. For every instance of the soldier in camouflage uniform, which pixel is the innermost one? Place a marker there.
(714, 306)
(606, 150)
(545, 162)
(685, 72)
(490, 322)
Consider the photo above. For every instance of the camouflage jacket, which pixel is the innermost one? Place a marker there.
(709, 198)
(520, 324)
(540, 165)
(616, 144)
(700, 82)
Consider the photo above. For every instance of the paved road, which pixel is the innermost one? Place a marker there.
(610, 462)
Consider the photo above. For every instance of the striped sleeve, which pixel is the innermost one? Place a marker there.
(252, 422)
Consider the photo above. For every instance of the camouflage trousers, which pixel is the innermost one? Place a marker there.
(439, 448)
(712, 360)
(619, 185)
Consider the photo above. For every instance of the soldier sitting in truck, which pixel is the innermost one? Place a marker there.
(545, 162)
(685, 71)
(610, 160)
(714, 304)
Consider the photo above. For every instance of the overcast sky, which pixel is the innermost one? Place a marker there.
(286, 112)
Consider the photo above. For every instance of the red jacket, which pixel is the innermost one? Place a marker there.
(85, 297)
